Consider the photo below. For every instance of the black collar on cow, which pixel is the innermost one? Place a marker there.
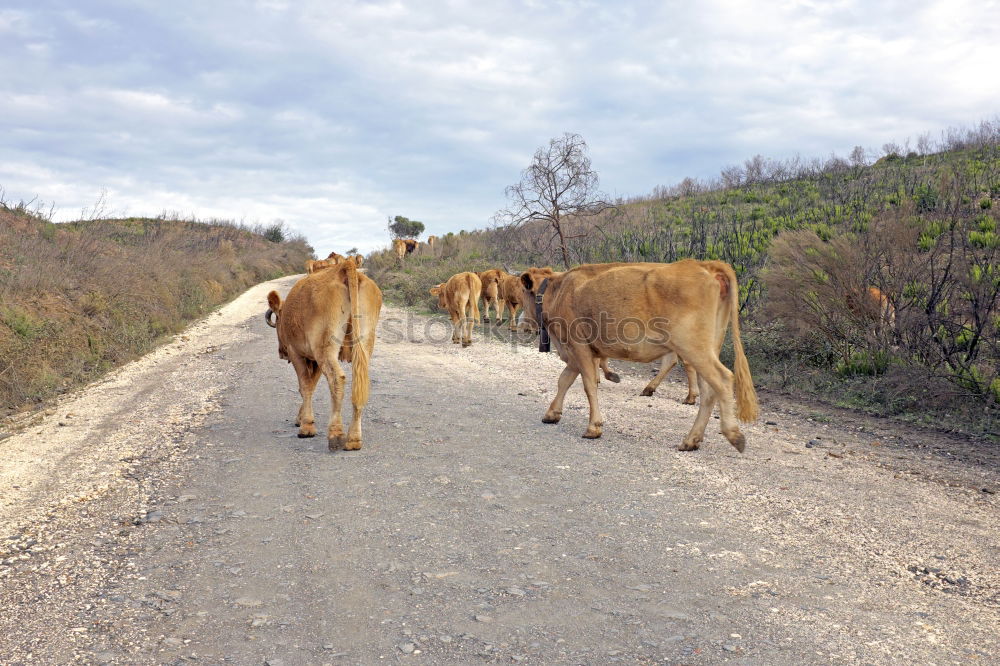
(544, 344)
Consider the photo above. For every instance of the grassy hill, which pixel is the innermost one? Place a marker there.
(81, 297)
(807, 239)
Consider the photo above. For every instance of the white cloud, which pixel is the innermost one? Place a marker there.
(333, 115)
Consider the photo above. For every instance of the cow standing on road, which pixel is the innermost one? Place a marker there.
(458, 295)
(510, 297)
(491, 293)
(329, 316)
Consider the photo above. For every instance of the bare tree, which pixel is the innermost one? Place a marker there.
(558, 186)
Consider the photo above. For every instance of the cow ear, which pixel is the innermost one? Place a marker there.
(527, 281)
(274, 301)
(435, 291)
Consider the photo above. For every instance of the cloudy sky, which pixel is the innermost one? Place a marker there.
(331, 115)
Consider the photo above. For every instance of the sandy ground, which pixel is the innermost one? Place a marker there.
(169, 514)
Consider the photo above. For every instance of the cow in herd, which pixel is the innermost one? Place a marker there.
(641, 312)
(404, 246)
(592, 313)
(329, 316)
(459, 295)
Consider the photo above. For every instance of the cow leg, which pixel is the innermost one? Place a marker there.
(667, 362)
(457, 326)
(308, 374)
(719, 379)
(692, 377)
(336, 379)
(467, 323)
(609, 374)
(566, 380)
(697, 433)
(589, 372)
(513, 316)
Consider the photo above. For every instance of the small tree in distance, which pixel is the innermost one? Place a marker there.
(404, 227)
(558, 185)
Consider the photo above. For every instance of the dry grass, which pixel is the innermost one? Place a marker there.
(82, 297)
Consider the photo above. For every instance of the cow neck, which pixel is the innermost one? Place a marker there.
(544, 344)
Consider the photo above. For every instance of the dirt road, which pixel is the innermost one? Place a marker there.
(169, 514)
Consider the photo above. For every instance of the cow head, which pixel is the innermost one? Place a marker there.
(531, 280)
(273, 308)
(335, 258)
(438, 290)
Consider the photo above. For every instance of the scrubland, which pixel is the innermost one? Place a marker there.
(79, 298)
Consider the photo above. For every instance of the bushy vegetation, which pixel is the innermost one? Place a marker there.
(808, 240)
(81, 297)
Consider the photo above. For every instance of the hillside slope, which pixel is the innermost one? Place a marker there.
(82, 297)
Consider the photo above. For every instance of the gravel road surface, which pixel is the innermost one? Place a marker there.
(169, 514)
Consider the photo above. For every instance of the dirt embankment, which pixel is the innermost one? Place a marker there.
(80, 298)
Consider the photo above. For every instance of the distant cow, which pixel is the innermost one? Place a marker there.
(327, 317)
(876, 307)
(491, 293)
(641, 312)
(313, 265)
(403, 247)
(458, 295)
(510, 297)
(431, 242)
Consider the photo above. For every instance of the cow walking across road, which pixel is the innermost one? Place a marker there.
(641, 312)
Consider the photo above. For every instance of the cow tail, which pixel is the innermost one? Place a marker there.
(360, 343)
(746, 397)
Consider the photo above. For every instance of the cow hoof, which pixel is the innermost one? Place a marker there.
(613, 377)
(592, 433)
(647, 392)
(335, 443)
(688, 446)
(551, 418)
(353, 445)
(307, 430)
(455, 342)
(690, 400)
(739, 442)
(466, 343)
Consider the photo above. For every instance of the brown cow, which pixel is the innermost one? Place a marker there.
(329, 315)
(640, 312)
(459, 293)
(876, 307)
(399, 248)
(313, 265)
(510, 297)
(431, 242)
(491, 293)
(403, 247)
